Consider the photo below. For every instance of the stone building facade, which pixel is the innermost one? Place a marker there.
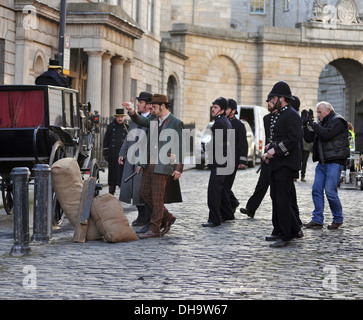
(193, 50)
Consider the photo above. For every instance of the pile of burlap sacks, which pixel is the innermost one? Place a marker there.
(107, 217)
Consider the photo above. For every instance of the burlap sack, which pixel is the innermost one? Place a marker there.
(67, 183)
(110, 219)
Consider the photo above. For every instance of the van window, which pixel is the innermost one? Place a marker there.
(248, 115)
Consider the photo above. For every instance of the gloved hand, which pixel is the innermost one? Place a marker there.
(311, 116)
(304, 117)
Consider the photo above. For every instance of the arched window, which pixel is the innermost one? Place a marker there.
(172, 91)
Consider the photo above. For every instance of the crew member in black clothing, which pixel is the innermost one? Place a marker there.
(263, 182)
(284, 158)
(241, 149)
(53, 76)
(220, 208)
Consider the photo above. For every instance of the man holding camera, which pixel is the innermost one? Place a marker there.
(330, 139)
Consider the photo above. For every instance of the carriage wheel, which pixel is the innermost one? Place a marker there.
(8, 197)
(58, 152)
(95, 172)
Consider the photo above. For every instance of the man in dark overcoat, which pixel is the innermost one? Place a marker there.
(284, 158)
(241, 149)
(220, 208)
(112, 142)
(53, 76)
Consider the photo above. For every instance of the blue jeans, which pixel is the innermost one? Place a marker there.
(327, 178)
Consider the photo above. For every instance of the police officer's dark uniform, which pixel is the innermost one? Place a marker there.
(112, 143)
(220, 208)
(52, 77)
(241, 151)
(285, 164)
(263, 182)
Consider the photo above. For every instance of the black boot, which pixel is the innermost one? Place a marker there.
(111, 189)
(140, 220)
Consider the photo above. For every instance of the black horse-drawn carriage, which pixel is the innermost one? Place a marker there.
(42, 124)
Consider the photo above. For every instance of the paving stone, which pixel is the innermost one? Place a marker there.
(232, 261)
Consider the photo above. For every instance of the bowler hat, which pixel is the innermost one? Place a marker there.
(54, 64)
(222, 102)
(145, 96)
(232, 104)
(120, 112)
(281, 89)
(159, 99)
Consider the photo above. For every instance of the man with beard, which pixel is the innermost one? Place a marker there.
(284, 158)
(220, 208)
(241, 149)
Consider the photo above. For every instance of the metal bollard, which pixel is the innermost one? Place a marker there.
(40, 222)
(20, 177)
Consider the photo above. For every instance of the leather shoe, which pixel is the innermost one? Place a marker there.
(298, 235)
(272, 237)
(167, 226)
(313, 225)
(149, 234)
(210, 224)
(334, 225)
(248, 212)
(235, 206)
(279, 243)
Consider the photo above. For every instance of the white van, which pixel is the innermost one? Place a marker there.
(254, 116)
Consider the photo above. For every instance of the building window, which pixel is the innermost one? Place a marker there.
(287, 5)
(135, 10)
(150, 15)
(257, 6)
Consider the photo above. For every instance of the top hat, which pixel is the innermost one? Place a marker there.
(54, 64)
(222, 102)
(232, 104)
(120, 112)
(281, 89)
(159, 99)
(145, 96)
(295, 103)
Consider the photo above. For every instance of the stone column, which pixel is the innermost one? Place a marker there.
(127, 80)
(106, 83)
(94, 79)
(117, 70)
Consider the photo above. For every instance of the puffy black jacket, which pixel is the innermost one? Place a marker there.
(331, 139)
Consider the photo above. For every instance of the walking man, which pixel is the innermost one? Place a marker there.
(284, 158)
(241, 149)
(164, 159)
(220, 208)
(330, 139)
(263, 182)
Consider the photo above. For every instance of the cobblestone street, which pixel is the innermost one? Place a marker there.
(232, 261)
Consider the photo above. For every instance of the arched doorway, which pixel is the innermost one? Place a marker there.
(223, 80)
(340, 84)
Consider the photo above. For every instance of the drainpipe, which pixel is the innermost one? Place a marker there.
(62, 29)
